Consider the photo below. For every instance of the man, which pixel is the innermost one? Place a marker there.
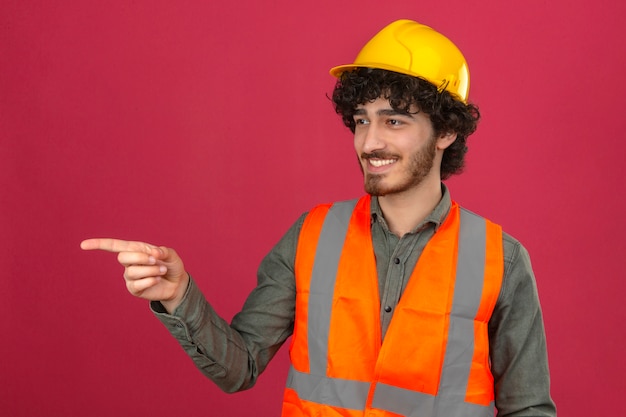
(399, 304)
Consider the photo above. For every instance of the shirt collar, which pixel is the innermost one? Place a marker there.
(435, 218)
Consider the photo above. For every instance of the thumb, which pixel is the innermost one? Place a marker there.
(165, 254)
(161, 253)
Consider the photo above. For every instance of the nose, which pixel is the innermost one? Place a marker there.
(370, 138)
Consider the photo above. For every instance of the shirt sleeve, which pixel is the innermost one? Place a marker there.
(519, 360)
(234, 355)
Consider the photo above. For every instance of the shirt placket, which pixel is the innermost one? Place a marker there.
(400, 250)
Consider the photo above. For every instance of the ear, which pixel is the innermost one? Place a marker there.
(445, 140)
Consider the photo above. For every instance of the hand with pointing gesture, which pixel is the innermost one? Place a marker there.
(151, 272)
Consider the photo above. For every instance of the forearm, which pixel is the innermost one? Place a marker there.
(216, 349)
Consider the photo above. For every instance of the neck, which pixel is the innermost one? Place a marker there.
(405, 211)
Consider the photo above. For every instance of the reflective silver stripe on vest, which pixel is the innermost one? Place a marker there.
(336, 392)
(325, 265)
(450, 400)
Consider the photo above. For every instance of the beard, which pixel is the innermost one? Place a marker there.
(420, 165)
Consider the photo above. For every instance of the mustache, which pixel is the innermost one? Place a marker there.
(378, 155)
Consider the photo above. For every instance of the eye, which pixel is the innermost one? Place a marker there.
(395, 122)
(360, 121)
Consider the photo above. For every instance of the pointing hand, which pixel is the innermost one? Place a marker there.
(151, 272)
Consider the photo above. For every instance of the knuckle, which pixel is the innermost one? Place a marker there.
(131, 273)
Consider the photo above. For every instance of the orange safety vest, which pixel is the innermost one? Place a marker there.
(435, 356)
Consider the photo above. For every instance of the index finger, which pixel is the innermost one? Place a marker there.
(116, 245)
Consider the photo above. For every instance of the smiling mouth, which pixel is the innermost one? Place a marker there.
(381, 162)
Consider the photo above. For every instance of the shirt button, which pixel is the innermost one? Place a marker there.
(396, 261)
(388, 309)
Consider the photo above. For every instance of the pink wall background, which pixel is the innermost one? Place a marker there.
(204, 126)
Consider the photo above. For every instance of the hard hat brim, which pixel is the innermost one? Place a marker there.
(440, 84)
(337, 71)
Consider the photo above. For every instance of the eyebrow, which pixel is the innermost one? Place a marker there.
(383, 112)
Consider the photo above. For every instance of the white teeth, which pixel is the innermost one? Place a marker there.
(381, 162)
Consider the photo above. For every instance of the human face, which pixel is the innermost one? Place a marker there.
(396, 150)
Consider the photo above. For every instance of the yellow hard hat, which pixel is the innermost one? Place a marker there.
(411, 48)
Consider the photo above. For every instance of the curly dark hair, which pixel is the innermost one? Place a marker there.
(446, 113)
